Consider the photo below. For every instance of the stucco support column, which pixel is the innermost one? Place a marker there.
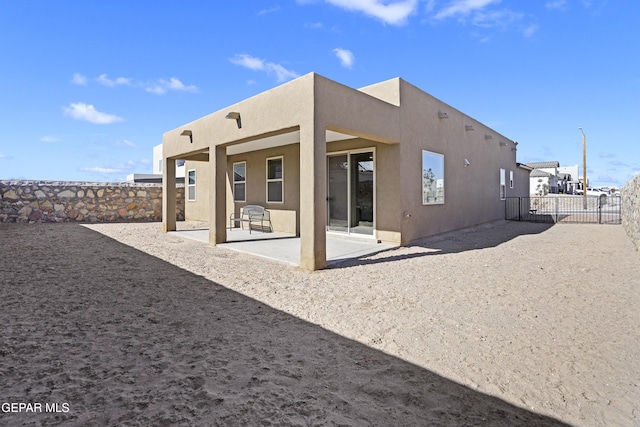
(217, 195)
(313, 197)
(168, 195)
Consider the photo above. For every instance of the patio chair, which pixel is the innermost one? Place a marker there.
(251, 214)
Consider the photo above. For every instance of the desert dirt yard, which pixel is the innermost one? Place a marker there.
(502, 324)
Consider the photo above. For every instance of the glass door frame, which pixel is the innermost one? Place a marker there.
(348, 153)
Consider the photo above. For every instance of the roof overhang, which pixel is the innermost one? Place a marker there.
(278, 140)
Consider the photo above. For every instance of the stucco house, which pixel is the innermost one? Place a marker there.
(386, 162)
(543, 178)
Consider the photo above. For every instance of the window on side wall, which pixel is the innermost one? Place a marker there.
(275, 174)
(191, 185)
(503, 184)
(432, 178)
(510, 179)
(240, 182)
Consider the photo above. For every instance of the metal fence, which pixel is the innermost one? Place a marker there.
(554, 208)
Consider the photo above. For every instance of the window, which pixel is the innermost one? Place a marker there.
(510, 179)
(432, 178)
(191, 185)
(160, 165)
(503, 185)
(274, 180)
(240, 182)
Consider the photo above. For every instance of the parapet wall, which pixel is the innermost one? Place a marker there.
(630, 195)
(60, 201)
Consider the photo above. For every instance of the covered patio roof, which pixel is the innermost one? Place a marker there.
(310, 111)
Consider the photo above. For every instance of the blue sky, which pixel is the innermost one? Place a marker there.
(88, 88)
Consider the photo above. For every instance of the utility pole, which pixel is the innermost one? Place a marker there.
(584, 169)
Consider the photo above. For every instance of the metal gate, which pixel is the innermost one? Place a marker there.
(554, 208)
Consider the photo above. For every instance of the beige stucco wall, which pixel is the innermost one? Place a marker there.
(197, 210)
(522, 182)
(472, 194)
(256, 184)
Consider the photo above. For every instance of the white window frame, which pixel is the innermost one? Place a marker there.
(503, 184)
(269, 180)
(239, 182)
(510, 179)
(439, 198)
(189, 185)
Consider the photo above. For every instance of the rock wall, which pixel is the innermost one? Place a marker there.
(52, 201)
(630, 195)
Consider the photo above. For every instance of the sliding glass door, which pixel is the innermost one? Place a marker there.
(338, 197)
(350, 192)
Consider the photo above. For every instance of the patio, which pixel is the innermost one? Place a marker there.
(285, 247)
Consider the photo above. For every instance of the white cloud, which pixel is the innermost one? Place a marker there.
(345, 56)
(158, 87)
(4, 156)
(430, 5)
(175, 84)
(497, 18)
(87, 112)
(269, 10)
(482, 38)
(556, 4)
(79, 79)
(313, 25)
(106, 81)
(463, 7)
(394, 13)
(248, 61)
(530, 30)
(161, 86)
(49, 138)
(282, 74)
(101, 170)
(111, 168)
(257, 64)
(125, 143)
(480, 13)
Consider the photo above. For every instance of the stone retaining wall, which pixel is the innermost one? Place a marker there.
(630, 195)
(59, 201)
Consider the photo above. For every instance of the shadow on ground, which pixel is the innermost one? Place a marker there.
(127, 339)
(469, 239)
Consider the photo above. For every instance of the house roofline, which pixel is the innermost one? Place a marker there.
(524, 166)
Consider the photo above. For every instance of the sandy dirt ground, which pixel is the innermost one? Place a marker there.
(499, 325)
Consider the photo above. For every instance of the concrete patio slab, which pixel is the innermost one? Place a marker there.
(285, 247)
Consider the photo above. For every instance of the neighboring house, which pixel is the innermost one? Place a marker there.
(541, 182)
(544, 178)
(387, 162)
(156, 175)
(574, 179)
(551, 178)
(572, 171)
